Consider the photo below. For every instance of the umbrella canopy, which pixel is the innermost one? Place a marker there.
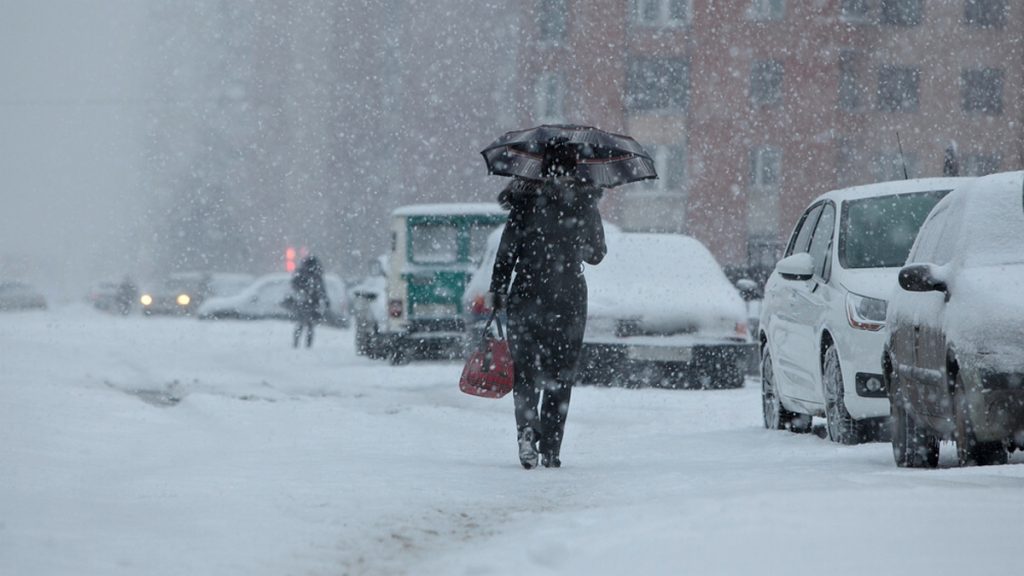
(605, 159)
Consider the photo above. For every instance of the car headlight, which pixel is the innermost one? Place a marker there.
(865, 313)
(183, 299)
(146, 299)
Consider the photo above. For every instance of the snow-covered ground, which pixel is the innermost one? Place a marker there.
(173, 446)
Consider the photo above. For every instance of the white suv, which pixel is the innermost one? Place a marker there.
(823, 315)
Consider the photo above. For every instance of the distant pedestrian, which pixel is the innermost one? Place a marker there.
(309, 300)
(553, 228)
(126, 295)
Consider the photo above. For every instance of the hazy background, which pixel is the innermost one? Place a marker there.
(146, 138)
(70, 98)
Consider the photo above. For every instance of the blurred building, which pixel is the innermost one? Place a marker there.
(753, 107)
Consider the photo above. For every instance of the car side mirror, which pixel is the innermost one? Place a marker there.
(796, 267)
(920, 278)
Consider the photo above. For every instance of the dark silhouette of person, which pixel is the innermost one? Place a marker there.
(309, 299)
(553, 228)
(126, 295)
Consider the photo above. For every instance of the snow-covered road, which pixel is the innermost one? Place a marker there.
(172, 446)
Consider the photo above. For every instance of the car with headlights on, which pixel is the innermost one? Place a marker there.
(182, 293)
(954, 358)
(822, 325)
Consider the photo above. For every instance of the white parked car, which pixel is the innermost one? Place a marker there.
(264, 298)
(823, 316)
(660, 312)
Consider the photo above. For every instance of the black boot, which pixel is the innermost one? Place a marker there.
(527, 448)
(550, 461)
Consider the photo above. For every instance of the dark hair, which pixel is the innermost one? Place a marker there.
(559, 158)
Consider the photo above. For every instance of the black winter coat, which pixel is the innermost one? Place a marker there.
(552, 230)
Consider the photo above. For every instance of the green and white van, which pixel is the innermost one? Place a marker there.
(434, 250)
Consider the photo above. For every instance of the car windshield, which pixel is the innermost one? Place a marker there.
(879, 232)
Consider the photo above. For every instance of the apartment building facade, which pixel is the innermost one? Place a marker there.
(751, 108)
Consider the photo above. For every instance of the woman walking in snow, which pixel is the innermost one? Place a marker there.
(553, 228)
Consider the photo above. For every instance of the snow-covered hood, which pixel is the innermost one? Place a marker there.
(871, 282)
(661, 284)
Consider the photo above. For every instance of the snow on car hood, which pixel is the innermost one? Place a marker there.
(871, 282)
(662, 284)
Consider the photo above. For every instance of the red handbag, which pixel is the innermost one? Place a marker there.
(489, 371)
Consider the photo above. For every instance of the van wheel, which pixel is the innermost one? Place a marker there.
(842, 428)
(913, 446)
(776, 417)
(969, 450)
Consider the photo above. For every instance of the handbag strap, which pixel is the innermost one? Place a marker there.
(497, 322)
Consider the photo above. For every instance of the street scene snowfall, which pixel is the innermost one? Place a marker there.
(169, 446)
(510, 287)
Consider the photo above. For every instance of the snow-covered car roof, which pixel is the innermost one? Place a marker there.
(895, 187)
(668, 282)
(450, 209)
(665, 282)
(992, 209)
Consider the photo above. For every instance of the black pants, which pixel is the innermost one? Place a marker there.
(545, 336)
(307, 324)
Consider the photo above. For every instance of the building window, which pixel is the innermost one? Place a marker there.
(981, 164)
(670, 163)
(904, 13)
(549, 93)
(767, 10)
(657, 84)
(763, 246)
(982, 91)
(551, 20)
(854, 10)
(766, 82)
(985, 13)
(898, 88)
(662, 12)
(851, 66)
(765, 167)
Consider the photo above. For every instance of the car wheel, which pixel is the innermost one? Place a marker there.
(913, 446)
(842, 428)
(969, 450)
(776, 417)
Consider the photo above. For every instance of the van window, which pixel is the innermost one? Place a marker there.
(434, 244)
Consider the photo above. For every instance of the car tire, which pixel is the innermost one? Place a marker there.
(913, 446)
(969, 450)
(776, 417)
(842, 428)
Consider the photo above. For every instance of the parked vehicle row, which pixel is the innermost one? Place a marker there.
(895, 312)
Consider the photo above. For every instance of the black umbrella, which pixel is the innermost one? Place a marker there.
(605, 159)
